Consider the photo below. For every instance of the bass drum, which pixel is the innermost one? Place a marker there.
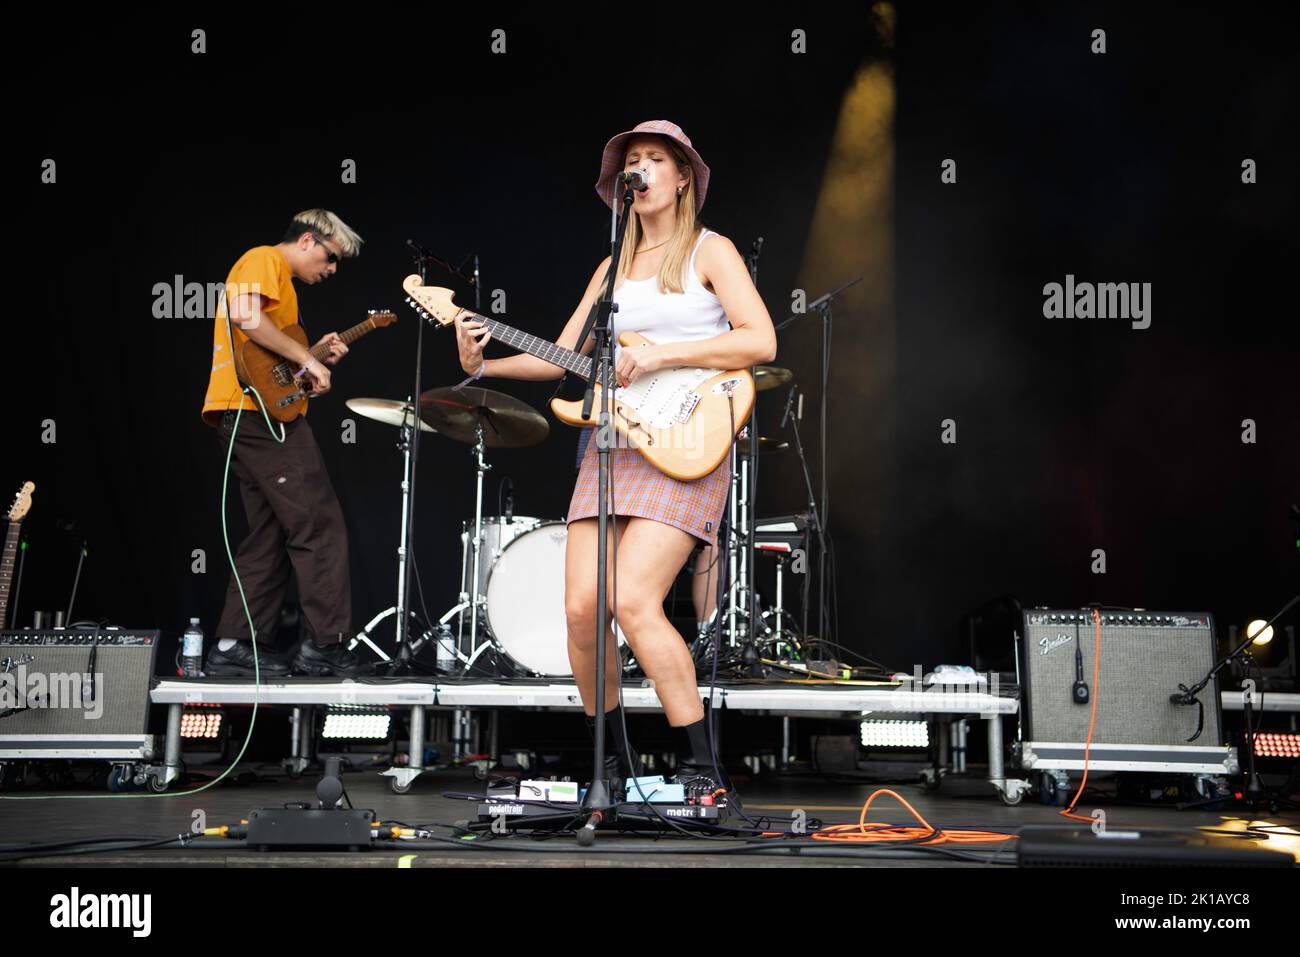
(525, 601)
(498, 532)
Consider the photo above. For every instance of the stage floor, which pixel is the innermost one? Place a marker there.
(962, 802)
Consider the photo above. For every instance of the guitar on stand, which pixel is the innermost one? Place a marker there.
(272, 375)
(17, 511)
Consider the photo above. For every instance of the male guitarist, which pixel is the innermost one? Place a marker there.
(294, 519)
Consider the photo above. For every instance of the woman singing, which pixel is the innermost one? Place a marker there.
(686, 289)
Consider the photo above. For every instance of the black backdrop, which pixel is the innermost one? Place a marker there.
(1073, 435)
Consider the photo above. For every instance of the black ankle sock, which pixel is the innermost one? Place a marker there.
(697, 738)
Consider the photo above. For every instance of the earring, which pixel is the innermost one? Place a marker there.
(679, 191)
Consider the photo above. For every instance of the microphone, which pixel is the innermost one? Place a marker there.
(789, 406)
(421, 250)
(508, 489)
(1079, 690)
(636, 179)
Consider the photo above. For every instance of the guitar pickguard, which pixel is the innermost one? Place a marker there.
(665, 398)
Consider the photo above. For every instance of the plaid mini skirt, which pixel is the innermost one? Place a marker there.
(642, 491)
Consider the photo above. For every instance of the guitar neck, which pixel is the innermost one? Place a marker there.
(348, 336)
(7, 559)
(574, 362)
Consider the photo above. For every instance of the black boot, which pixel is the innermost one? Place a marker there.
(620, 762)
(698, 773)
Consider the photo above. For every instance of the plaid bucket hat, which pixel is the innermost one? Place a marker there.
(611, 163)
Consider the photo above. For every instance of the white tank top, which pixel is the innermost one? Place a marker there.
(694, 313)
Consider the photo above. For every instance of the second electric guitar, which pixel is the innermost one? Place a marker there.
(680, 419)
(272, 375)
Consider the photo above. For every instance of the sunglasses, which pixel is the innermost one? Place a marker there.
(331, 257)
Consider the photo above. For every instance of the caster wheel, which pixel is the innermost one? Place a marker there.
(119, 779)
(397, 787)
(156, 784)
(1050, 791)
(1012, 800)
(932, 782)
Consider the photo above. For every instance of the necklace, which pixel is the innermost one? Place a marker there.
(648, 248)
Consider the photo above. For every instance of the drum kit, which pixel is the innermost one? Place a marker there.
(511, 596)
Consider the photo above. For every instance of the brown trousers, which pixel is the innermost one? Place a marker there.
(294, 521)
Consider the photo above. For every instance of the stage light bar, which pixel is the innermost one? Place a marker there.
(201, 724)
(343, 721)
(895, 734)
(1273, 744)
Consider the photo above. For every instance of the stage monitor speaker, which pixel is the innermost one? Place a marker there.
(1145, 657)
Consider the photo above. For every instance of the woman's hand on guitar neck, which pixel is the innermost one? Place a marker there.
(471, 336)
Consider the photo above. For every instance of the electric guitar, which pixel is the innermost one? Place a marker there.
(22, 502)
(272, 375)
(683, 420)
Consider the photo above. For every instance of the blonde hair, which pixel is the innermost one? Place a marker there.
(677, 255)
(328, 226)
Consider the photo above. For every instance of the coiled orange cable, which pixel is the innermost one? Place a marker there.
(883, 833)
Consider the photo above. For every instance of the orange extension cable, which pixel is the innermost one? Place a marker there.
(865, 832)
(1092, 720)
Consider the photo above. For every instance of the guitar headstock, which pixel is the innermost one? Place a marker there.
(431, 302)
(22, 502)
(381, 317)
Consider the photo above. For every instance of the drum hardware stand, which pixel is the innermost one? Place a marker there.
(411, 444)
(404, 444)
(742, 599)
(470, 600)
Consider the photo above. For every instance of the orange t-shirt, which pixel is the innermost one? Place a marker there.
(264, 270)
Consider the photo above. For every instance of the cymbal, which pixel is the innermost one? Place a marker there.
(770, 377)
(507, 422)
(765, 445)
(387, 411)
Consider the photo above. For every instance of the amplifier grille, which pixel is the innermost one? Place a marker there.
(124, 663)
(1144, 658)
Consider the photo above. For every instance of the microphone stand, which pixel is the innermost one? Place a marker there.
(1186, 696)
(751, 663)
(791, 418)
(597, 802)
(822, 304)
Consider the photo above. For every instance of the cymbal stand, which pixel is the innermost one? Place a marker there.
(470, 599)
(399, 609)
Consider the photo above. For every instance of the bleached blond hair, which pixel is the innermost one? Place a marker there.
(327, 225)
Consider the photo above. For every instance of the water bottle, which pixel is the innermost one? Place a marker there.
(446, 645)
(192, 650)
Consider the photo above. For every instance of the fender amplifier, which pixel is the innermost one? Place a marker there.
(71, 692)
(1145, 656)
